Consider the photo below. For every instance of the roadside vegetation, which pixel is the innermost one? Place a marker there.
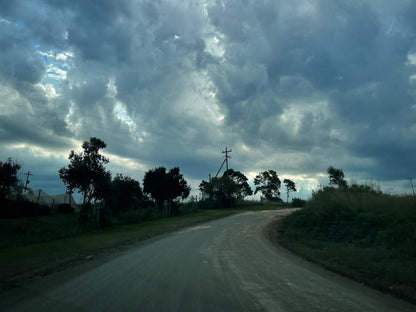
(359, 232)
(120, 199)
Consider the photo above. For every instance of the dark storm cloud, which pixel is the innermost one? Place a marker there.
(45, 25)
(290, 85)
(19, 128)
(25, 115)
(340, 52)
(19, 64)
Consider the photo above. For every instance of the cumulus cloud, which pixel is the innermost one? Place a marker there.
(290, 86)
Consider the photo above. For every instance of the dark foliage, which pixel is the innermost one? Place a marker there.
(65, 208)
(124, 194)
(241, 182)
(165, 186)
(9, 183)
(336, 177)
(209, 204)
(268, 183)
(16, 208)
(361, 233)
(222, 192)
(138, 215)
(189, 207)
(364, 218)
(86, 172)
(298, 202)
(290, 187)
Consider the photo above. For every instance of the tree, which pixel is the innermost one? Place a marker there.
(223, 190)
(336, 177)
(86, 172)
(268, 183)
(162, 185)
(241, 182)
(125, 194)
(290, 187)
(8, 178)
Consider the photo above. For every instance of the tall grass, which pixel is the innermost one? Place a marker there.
(361, 233)
(29, 230)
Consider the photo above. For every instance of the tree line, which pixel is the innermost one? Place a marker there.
(224, 191)
(162, 189)
(87, 173)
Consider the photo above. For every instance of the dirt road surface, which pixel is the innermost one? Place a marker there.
(224, 265)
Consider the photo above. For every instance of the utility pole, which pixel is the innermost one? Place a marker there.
(27, 179)
(225, 160)
(226, 156)
(411, 184)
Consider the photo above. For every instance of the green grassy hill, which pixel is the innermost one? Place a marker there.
(360, 233)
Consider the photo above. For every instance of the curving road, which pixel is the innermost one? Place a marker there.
(225, 265)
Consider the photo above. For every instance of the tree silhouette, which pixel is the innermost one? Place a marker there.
(8, 178)
(290, 186)
(336, 177)
(241, 182)
(223, 190)
(268, 183)
(162, 185)
(126, 193)
(86, 171)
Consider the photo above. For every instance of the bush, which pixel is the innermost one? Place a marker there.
(22, 208)
(298, 202)
(65, 208)
(273, 199)
(209, 204)
(360, 216)
(247, 204)
(105, 216)
(188, 207)
(138, 215)
(85, 215)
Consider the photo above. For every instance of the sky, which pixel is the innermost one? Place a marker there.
(292, 86)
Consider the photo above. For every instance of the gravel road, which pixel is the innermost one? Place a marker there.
(224, 265)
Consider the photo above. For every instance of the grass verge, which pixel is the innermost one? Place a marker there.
(368, 237)
(39, 258)
(375, 267)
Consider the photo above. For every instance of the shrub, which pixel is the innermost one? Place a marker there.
(209, 204)
(138, 215)
(298, 202)
(65, 208)
(188, 207)
(359, 232)
(360, 216)
(22, 208)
